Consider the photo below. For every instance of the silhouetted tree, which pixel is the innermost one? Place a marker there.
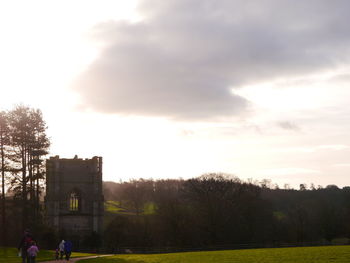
(4, 141)
(28, 140)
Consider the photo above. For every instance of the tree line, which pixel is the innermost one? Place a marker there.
(23, 145)
(219, 210)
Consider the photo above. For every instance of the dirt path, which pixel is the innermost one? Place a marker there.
(73, 259)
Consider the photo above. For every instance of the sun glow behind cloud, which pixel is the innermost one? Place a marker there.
(45, 44)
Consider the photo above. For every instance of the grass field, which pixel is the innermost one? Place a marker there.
(330, 254)
(10, 255)
(115, 207)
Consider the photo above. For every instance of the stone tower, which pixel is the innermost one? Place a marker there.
(74, 199)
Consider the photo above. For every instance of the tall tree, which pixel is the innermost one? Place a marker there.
(29, 142)
(38, 149)
(4, 140)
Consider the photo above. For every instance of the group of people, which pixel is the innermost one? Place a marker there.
(63, 249)
(28, 249)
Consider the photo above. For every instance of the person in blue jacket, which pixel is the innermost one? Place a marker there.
(68, 249)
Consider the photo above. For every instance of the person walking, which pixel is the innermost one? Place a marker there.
(32, 252)
(68, 249)
(61, 249)
(24, 244)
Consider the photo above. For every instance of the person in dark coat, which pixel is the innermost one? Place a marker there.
(24, 244)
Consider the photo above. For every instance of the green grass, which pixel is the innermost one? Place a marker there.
(330, 254)
(10, 255)
(149, 208)
(113, 207)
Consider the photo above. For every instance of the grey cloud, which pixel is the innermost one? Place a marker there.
(287, 125)
(185, 58)
(343, 78)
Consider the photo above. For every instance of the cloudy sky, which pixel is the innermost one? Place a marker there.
(178, 88)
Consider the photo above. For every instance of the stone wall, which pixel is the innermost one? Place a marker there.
(74, 198)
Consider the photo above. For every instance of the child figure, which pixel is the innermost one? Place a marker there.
(32, 252)
(57, 254)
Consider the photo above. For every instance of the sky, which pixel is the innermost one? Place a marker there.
(174, 89)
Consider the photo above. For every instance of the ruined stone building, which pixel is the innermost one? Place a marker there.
(74, 198)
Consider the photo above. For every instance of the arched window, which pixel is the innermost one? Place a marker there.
(74, 201)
